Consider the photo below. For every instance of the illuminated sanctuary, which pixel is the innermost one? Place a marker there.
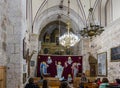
(58, 40)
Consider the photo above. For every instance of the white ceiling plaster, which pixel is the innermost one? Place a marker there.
(51, 10)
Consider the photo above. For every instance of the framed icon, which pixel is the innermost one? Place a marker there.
(115, 53)
(24, 49)
(102, 64)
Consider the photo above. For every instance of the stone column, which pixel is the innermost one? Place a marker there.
(15, 12)
(34, 46)
(84, 51)
(3, 35)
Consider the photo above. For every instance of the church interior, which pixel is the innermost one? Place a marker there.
(59, 40)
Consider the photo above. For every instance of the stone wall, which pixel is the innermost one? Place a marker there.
(109, 38)
(12, 28)
(34, 46)
(3, 35)
(83, 51)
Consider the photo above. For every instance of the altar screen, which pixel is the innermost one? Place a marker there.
(62, 67)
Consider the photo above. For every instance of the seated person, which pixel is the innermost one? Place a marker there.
(64, 84)
(104, 83)
(45, 84)
(116, 85)
(98, 81)
(83, 80)
(117, 81)
(31, 84)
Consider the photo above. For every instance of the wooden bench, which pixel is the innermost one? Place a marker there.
(36, 79)
(52, 82)
(90, 85)
(76, 81)
(1, 83)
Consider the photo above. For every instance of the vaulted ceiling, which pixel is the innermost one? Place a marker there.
(47, 11)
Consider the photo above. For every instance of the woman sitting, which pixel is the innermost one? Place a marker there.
(104, 83)
(83, 80)
(64, 84)
(31, 84)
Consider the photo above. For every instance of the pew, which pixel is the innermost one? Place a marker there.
(76, 81)
(90, 85)
(36, 79)
(52, 82)
(0, 83)
(113, 85)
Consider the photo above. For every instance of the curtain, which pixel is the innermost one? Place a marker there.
(70, 66)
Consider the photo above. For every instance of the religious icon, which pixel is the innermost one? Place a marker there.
(69, 78)
(43, 68)
(69, 60)
(59, 70)
(49, 60)
(75, 68)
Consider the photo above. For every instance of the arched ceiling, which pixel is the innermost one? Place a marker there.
(46, 11)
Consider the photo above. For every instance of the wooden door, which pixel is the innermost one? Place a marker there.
(93, 70)
(2, 77)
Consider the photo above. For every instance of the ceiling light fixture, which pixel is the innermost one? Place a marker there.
(91, 30)
(68, 39)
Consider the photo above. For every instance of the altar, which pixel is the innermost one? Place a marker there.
(61, 67)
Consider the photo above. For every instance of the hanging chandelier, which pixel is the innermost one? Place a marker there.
(68, 39)
(91, 30)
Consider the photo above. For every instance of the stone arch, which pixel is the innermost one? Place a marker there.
(46, 17)
(42, 19)
(50, 27)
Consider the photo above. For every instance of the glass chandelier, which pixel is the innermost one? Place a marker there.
(68, 39)
(91, 29)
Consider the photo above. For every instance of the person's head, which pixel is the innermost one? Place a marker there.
(59, 63)
(49, 57)
(105, 80)
(64, 84)
(69, 58)
(44, 62)
(69, 75)
(45, 84)
(117, 81)
(98, 79)
(83, 74)
(75, 63)
(31, 80)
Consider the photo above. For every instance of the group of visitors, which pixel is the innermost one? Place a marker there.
(64, 84)
(32, 84)
(100, 84)
(105, 83)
